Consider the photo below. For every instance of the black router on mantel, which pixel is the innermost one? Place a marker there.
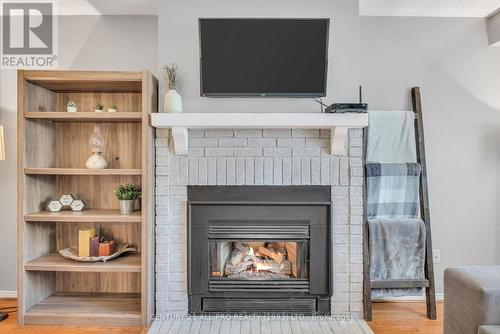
(340, 108)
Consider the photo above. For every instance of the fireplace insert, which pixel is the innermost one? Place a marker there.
(259, 249)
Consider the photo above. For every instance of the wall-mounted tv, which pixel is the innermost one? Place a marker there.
(263, 57)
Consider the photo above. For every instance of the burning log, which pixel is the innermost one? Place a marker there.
(277, 255)
(237, 257)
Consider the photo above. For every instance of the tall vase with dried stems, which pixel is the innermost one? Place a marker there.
(172, 101)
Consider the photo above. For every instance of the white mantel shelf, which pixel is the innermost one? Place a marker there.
(180, 122)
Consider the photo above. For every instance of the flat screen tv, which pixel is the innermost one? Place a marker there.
(263, 57)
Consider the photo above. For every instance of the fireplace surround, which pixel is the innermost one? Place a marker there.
(258, 157)
(259, 249)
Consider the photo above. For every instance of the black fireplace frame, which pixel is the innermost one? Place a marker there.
(297, 212)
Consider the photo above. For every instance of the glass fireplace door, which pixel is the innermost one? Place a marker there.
(258, 259)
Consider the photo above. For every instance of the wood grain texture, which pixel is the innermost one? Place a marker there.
(55, 262)
(67, 234)
(80, 171)
(85, 116)
(98, 282)
(149, 107)
(122, 144)
(405, 318)
(126, 102)
(96, 191)
(87, 309)
(86, 81)
(10, 326)
(430, 291)
(85, 216)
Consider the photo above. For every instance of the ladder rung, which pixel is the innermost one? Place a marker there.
(399, 283)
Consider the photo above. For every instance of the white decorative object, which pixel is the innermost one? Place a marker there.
(77, 205)
(172, 101)
(71, 106)
(112, 108)
(54, 206)
(99, 107)
(66, 200)
(96, 161)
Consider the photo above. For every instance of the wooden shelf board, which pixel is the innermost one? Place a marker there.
(104, 116)
(86, 216)
(81, 171)
(81, 309)
(86, 81)
(55, 262)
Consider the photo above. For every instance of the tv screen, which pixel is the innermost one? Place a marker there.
(263, 57)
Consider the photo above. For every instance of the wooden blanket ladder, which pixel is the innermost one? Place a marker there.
(428, 281)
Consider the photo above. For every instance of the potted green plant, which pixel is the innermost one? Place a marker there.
(71, 106)
(99, 107)
(127, 194)
(112, 108)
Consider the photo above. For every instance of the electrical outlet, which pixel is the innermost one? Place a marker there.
(436, 255)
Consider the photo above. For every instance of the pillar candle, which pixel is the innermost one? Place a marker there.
(84, 237)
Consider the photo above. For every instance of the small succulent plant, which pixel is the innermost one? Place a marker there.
(170, 75)
(72, 104)
(113, 106)
(99, 106)
(128, 191)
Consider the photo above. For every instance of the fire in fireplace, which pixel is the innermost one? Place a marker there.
(258, 260)
(259, 249)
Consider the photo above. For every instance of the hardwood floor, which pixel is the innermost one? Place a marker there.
(401, 318)
(388, 318)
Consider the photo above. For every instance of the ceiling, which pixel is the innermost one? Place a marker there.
(107, 7)
(446, 8)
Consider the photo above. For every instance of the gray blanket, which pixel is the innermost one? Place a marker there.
(397, 251)
(397, 235)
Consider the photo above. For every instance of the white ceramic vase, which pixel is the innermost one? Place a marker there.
(172, 101)
(127, 206)
(111, 110)
(96, 161)
(71, 109)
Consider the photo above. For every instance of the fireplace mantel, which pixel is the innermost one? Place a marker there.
(180, 122)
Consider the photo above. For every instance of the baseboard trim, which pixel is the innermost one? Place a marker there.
(8, 294)
(406, 299)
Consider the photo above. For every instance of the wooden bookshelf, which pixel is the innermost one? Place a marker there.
(52, 150)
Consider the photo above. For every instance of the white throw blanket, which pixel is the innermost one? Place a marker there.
(391, 137)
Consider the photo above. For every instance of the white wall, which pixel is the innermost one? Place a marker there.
(87, 43)
(459, 76)
(178, 42)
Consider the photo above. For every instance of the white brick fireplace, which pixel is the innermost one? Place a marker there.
(258, 157)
